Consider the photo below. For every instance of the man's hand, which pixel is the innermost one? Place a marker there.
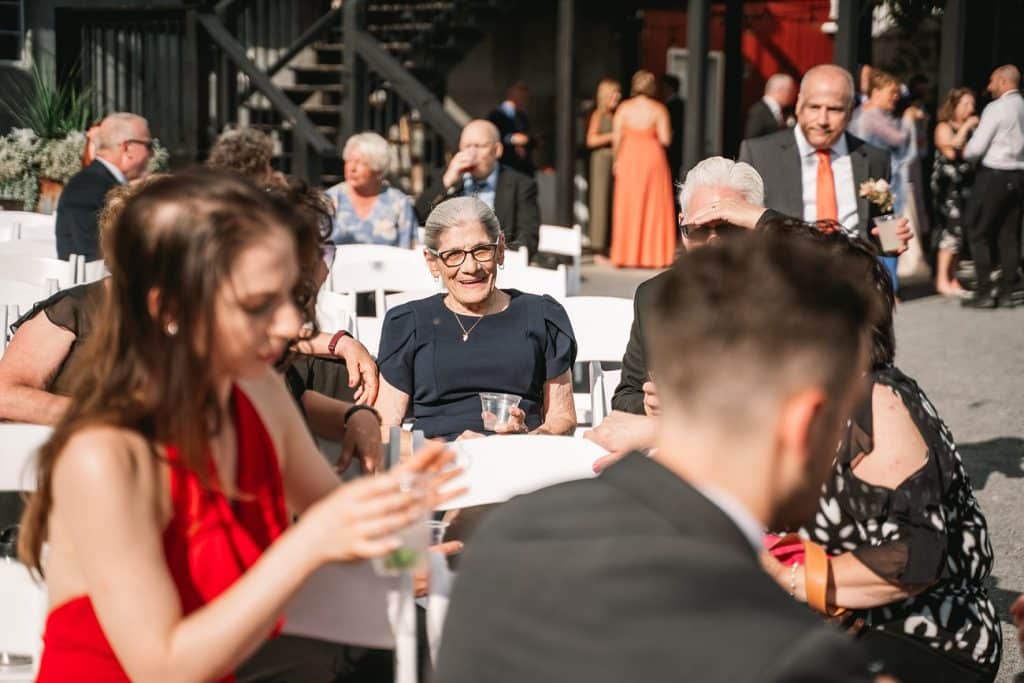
(652, 406)
(903, 232)
(462, 161)
(421, 579)
(621, 433)
(362, 371)
(362, 440)
(735, 211)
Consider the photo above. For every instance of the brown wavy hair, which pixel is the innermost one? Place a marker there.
(951, 102)
(244, 150)
(179, 236)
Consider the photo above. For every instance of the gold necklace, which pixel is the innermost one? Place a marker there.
(465, 332)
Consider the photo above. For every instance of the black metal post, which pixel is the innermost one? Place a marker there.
(565, 157)
(695, 127)
(195, 118)
(353, 72)
(951, 54)
(733, 104)
(847, 37)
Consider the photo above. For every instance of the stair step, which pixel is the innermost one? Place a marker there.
(398, 7)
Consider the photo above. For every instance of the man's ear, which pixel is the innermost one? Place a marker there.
(499, 149)
(798, 423)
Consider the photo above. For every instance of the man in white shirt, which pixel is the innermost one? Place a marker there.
(767, 115)
(997, 199)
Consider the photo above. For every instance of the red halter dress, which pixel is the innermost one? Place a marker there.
(209, 543)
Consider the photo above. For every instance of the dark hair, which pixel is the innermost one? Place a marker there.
(179, 236)
(864, 256)
(670, 81)
(755, 314)
(243, 150)
(315, 221)
(951, 102)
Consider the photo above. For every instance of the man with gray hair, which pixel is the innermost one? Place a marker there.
(994, 211)
(768, 113)
(814, 170)
(123, 149)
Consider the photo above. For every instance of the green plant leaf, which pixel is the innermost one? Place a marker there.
(50, 109)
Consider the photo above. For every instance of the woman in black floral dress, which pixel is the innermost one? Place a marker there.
(951, 182)
(908, 545)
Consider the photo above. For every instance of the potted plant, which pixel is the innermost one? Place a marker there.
(19, 185)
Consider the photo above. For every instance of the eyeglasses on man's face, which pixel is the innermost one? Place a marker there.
(704, 232)
(452, 258)
(148, 144)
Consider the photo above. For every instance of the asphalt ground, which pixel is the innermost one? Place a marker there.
(971, 365)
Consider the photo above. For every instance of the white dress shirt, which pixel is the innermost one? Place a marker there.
(775, 108)
(842, 174)
(114, 170)
(999, 138)
(740, 516)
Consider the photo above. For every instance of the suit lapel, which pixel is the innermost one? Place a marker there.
(504, 199)
(677, 501)
(859, 165)
(790, 177)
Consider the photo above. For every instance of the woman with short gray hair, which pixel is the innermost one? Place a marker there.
(367, 209)
(441, 353)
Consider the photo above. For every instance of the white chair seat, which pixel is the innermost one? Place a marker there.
(500, 467)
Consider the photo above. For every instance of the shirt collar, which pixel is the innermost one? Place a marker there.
(1009, 92)
(839, 149)
(509, 107)
(114, 170)
(752, 529)
(488, 183)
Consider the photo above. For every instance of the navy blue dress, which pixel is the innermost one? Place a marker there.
(513, 352)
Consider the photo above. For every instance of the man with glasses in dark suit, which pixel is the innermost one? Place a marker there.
(123, 149)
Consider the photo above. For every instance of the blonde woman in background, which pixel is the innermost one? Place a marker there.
(599, 142)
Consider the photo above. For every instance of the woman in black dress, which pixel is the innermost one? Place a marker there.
(951, 182)
(441, 352)
(907, 543)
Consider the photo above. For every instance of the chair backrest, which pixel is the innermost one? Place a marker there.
(38, 269)
(21, 294)
(517, 257)
(368, 332)
(399, 298)
(41, 248)
(336, 311)
(496, 469)
(601, 392)
(379, 269)
(601, 324)
(8, 232)
(535, 280)
(555, 239)
(91, 271)
(31, 225)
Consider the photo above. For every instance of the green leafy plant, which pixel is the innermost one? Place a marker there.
(48, 108)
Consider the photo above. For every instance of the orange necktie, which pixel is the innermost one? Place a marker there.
(828, 209)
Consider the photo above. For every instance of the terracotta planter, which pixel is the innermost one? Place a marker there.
(49, 193)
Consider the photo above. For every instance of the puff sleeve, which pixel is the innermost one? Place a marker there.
(560, 340)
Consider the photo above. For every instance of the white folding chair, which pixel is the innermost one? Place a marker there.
(23, 598)
(399, 298)
(368, 332)
(31, 225)
(379, 269)
(603, 388)
(91, 271)
(22, 294)
(517, 258)
(535, 280)
(336, 311)
(40, 248)
(601, 325)
(562, 241)
(8, 232)
(38, 269)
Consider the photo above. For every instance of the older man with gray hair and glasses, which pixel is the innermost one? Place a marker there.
(123, 149)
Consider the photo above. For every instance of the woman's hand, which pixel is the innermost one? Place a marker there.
(362, 440)
(791, 581)
(516, 423)
(621, 433)
(362, 371)
(421, 579)
(470, 434)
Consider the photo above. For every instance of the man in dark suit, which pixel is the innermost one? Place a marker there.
(123, 149)
(814, 170)
(514, 129)
(651, 572)
(768, 114)
(676, 114)
(474, 170)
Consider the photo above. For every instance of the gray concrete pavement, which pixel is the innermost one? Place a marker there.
(971, 365)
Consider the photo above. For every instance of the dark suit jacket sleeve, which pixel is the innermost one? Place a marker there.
(821, 655)
(526, 231)
(745, 153)
(760, 121)
(629, 395)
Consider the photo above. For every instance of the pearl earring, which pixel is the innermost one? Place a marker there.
(171, 329)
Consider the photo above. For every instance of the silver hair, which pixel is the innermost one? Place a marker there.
(456, 211)
(823, 70)
(777, 82)
(373, 147)
(722, 172)
(117, 128)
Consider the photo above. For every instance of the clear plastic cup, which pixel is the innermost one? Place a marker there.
(411, 555)
(887, 226)
(496, 408)
(437, 529)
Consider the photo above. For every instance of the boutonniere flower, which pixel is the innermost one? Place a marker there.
(878, 193)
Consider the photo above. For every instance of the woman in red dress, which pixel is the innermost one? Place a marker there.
(166, 491)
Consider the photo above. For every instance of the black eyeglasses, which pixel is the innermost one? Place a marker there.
(148, 144)
(455, 257)
(704, 232)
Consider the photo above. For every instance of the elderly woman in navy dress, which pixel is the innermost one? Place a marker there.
(438, 354)
(368, 209)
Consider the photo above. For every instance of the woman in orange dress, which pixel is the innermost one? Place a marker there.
(643, 220)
